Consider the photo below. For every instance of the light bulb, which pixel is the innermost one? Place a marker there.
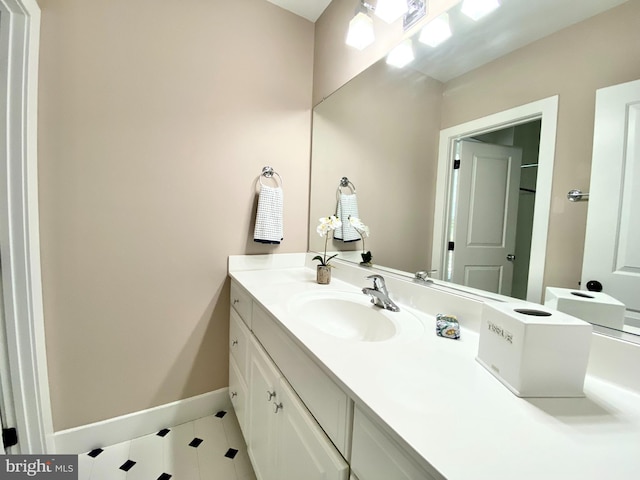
(360, 33)
(401, 55)
(436, 31)
(476, 9)
(391, 10)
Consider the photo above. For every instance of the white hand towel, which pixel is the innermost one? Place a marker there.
(269, 216)
(347, 206)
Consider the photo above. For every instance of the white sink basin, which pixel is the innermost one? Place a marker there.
(352, 316)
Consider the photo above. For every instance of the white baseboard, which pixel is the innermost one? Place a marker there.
(115, 430)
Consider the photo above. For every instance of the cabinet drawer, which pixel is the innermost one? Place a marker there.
(238, 396)
(330, 406)
(375, 456)
(241, 302)
(238, 343)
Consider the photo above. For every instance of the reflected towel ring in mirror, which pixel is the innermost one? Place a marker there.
(345, 183)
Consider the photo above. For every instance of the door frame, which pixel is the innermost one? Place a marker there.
(19, 227)
(547, 111)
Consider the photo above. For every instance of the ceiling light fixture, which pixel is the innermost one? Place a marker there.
(401, 55)
(391, 10)
(360, 33)
(436, 31)
(476, 9)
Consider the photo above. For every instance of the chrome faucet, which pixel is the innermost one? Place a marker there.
(379, 294)
(423, 276)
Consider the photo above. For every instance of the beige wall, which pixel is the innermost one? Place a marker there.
(573, 63)
(379, 131)
(155, 120)
(336, 63)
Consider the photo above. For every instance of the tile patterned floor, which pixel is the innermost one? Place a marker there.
(210, 448)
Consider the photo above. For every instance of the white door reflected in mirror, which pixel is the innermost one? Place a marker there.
(612, 245)
(486, 210)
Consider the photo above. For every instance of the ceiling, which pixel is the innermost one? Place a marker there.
(475, 44)
(309, 9)
(515, 24)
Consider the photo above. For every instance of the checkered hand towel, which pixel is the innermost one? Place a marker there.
(269, 216)
(347, 206)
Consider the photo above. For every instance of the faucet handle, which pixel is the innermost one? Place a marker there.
(424, 275)
(378, 281)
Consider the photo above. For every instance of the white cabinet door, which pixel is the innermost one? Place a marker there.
(612, 242)
(285, 441)
(375, 456)
(330, 406)
(239, 336)
(304, 451)
(238, 395)
(264, 383)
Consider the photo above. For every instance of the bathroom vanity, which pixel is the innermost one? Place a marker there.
(326, 386)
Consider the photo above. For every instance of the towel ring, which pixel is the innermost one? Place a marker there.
(269, 172)
(344, 183)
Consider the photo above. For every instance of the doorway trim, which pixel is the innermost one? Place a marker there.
(547, 111)
(19, 226)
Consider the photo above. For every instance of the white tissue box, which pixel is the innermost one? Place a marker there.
(594, 307)
(534, 351)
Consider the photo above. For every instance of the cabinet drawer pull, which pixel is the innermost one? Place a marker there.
(234, 343)
(271, 395)
(234, 394)
(278, 406)
(236, 301)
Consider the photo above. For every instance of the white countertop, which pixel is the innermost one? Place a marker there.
(452, 412)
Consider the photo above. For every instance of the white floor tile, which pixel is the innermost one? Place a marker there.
(180, 459)
(211, 430)
(85, 465)
(148, 453)
(233, 432)
(242, 464)
(106, 466)
(154, 455)
(211, 460)
(244, 470)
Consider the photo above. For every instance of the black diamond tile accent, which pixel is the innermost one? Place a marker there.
(164, 476)
(163, 433)
(195, 443)
(221, 414)
(95, 453)
(126, 466)
(231, 453)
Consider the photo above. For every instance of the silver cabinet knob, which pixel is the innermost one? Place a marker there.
(270, 395)
(511, 257)
(278, 407)
(236, 301)
(234, 343)
(234, 394)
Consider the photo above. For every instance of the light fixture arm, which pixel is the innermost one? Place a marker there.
(365, 7)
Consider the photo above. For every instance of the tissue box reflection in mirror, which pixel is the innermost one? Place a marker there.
(594, 307)
(534, 351)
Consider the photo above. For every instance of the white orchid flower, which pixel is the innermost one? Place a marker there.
(328, 224)
(356, 223)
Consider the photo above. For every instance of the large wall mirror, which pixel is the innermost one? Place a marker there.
(517, 89)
